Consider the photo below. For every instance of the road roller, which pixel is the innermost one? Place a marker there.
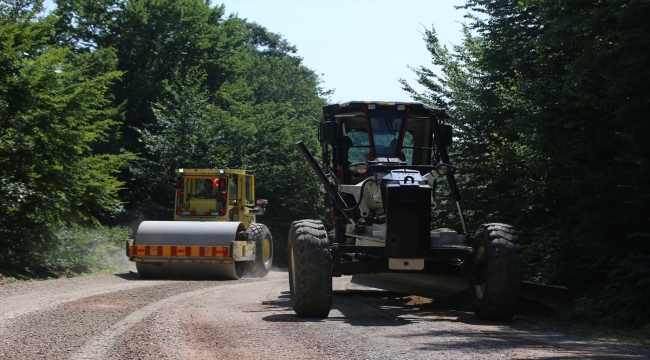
(214, 234)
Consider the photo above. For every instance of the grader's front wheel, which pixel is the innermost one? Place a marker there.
(494, 286)
(310, 269)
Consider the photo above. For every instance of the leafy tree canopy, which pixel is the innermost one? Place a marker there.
(550, 101)
(54, 108)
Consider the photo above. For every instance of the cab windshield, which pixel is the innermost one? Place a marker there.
(385, 139)
(386, 128)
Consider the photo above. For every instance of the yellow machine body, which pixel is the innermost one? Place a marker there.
(214, 235)
(236, 198)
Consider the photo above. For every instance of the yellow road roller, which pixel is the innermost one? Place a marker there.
(214, 234)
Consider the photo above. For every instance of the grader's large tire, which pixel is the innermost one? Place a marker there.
(494, 287)
(310, 269)
(263, 249)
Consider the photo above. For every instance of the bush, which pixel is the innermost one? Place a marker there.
(80, 249)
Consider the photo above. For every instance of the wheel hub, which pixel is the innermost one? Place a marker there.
(266, 250)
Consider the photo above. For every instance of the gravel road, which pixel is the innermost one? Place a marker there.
(122, 317)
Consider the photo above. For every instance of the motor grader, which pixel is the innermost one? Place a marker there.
(381, 163)
(214, 234)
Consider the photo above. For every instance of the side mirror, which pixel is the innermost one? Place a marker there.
(259, 209)
(329, 132)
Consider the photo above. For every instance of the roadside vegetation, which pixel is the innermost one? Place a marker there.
(100, 101)
(549, 100)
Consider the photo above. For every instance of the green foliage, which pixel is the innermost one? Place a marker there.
(81, 249)
(204, 91)
(251, 122)
(285, 106)
(54, 108)
(549, 100)
(175, 82)
(624, 295)
(155, 40)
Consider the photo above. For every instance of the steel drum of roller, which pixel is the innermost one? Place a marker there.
(186, 235)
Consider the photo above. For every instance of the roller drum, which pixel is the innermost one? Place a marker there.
(189, 233)
(191, 271)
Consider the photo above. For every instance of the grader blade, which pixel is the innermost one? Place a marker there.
(557, 298)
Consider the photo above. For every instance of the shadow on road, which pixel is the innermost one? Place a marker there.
(378, 308)
(128, 276)
(387, 309)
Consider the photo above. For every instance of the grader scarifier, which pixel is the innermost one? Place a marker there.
(215, 234)
(381, 163)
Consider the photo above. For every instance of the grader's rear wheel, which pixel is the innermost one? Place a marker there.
(263, 250)
(494, 287)
(310, 269)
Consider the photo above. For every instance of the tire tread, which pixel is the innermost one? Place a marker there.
(312, 295)
(257, 268)
(504, 272)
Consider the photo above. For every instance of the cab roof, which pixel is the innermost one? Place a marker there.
(357, 107)
(208, 172)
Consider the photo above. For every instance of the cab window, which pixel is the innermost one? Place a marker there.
(233, 187)
(361, 145)
(247, 190)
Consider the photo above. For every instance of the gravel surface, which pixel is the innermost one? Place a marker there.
(122, 317)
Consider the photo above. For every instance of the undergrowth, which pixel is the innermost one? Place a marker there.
(73, 251)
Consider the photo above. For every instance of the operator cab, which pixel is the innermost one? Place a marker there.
(368, 137)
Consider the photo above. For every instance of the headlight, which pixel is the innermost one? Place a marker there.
(444, 169)
(359, 168)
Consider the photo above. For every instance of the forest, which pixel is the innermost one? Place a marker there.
(549, 100)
